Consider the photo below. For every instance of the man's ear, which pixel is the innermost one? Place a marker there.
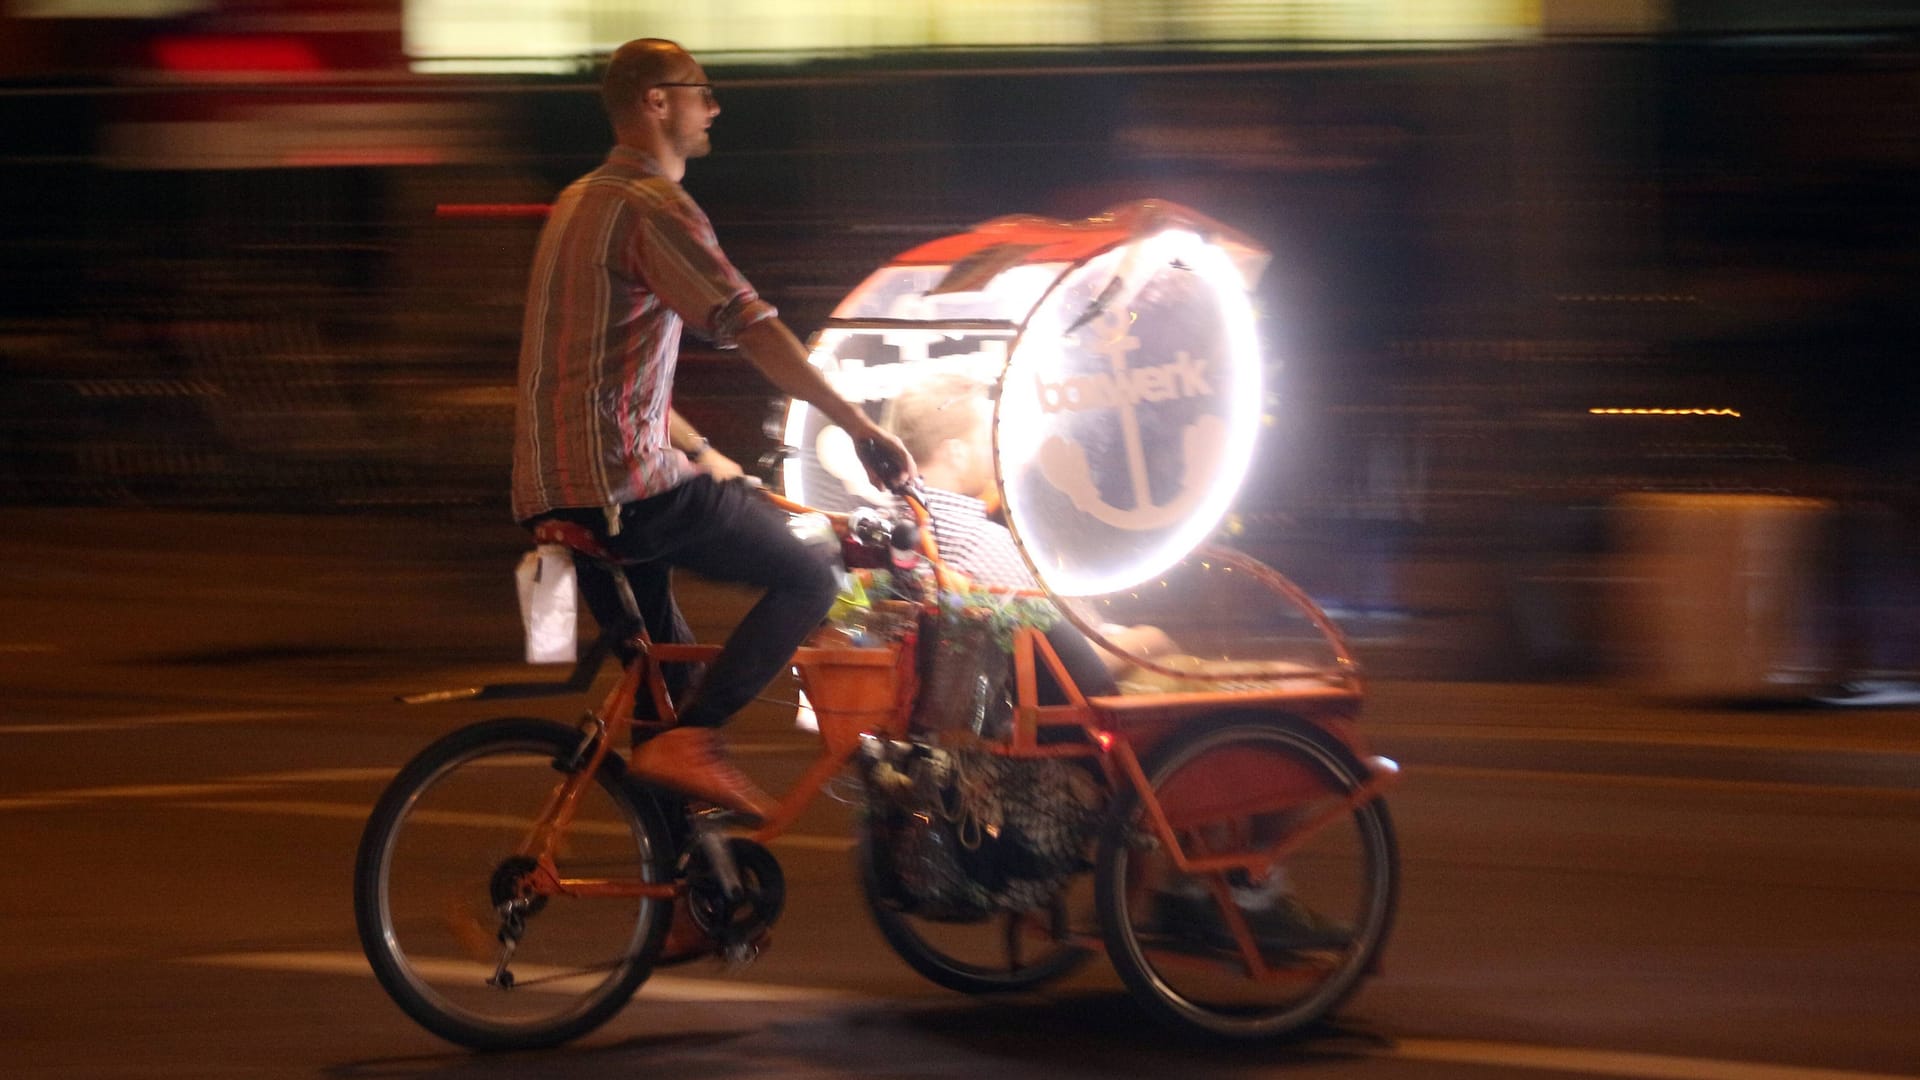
(957, 453)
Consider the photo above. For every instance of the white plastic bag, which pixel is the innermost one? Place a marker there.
(548, 604)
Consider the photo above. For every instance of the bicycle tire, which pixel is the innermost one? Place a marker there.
(940, 966)
(428, 875)
(1218, 996)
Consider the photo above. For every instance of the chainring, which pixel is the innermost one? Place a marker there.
(764, 893)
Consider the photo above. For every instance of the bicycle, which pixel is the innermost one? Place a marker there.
(514, 886)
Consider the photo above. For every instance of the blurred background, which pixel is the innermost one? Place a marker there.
(1592, 322)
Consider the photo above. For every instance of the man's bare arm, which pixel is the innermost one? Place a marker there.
(783, 360)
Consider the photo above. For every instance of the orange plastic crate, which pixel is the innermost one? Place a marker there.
(856, 690)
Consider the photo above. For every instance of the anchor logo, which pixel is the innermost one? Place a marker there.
(1064, 463)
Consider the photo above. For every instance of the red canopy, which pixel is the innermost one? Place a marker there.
(1048, 240)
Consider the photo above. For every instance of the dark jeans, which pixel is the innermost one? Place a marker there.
(728, 533)
(1083, 664)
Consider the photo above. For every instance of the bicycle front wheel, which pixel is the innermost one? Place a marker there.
(440, 891)
(1260, 953)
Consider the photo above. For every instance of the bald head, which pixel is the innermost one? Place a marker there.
(634, 68)
(946, 422)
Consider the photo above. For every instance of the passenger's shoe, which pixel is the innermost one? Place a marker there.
(1284, 925)
(693, 761)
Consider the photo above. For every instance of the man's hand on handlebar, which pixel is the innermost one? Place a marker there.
(888, 464)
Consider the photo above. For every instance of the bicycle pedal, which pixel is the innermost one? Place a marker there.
(740, 955)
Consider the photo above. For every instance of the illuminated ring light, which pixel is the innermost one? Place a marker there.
(793, 480)
(1017, 420)
(823, 469)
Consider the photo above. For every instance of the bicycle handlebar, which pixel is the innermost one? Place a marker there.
(889, 470)
(912, 495)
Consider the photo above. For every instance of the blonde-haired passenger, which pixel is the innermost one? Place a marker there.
(945, 421)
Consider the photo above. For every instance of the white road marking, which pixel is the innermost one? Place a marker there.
(201, 795)
(33, 802)
(1636, 780)
(155, 791)
(15, 648)
(358, 812)
(1707, 740)
(317, 776)
(131, 723)
(289, 808)
(1612, 1062)
(663, 987)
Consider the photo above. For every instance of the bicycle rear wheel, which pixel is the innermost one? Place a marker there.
(439, 903)
(1316, 918)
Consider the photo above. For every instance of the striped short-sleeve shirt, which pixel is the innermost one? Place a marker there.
(625, 260)
(973, 544)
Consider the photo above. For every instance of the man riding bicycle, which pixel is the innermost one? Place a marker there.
(625, 259)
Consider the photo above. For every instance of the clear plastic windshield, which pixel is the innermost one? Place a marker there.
(1214, 621)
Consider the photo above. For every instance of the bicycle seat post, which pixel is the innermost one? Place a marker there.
(628, 602)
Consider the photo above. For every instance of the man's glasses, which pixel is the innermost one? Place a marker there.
(705, 88)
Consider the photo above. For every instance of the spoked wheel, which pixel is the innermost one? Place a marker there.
(444, 904)
(999, 954)
(1313, 922)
